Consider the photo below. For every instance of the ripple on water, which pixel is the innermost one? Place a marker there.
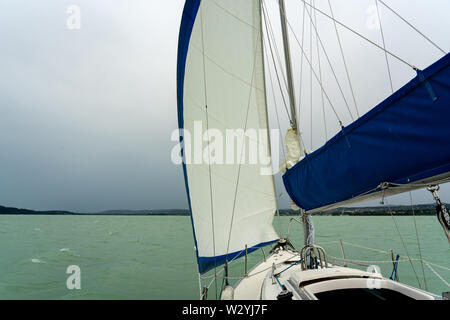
(68, 251)
(36, 260)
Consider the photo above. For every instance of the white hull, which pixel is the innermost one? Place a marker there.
(315, 284)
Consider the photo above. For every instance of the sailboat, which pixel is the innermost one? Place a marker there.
(225, 52)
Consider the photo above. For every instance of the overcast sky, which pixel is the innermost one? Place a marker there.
(87, 114)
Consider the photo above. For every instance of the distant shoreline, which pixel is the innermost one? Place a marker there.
(419, 210)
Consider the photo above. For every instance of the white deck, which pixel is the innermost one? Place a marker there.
(250, 287)
(304, 284)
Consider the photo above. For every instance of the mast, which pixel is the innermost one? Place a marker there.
(287, 57)
(308, 225)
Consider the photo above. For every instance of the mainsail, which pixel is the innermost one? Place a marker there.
(220, 80)
(400, 145)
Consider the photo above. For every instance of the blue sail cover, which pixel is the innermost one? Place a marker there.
(405, 139)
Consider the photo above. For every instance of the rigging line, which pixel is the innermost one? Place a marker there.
(279, 222)
(271, 37)
(310, 81)
(200, 285)
(320, 74)
(436, 265)
(238, 255)
(409, 185)
(258, 42)
(210, 277)
(209, 156)
(250, 275)
(301, 69)
(328, 242)
(361, 36)
(289, 225)
(276, 107)
(370, 261)
(288, 67)
(266, 19)
(287, 268)
(223, 68)
(210, 284)
(315, 75)
(438, 275)
(264, 54)
(384, 46)
(261, 271)
(271, 34)
(331, 66)
(343, 59)
(404, 245)
(269, 25)
(418, 241)
(384, 252)
(279, 128)
(274, 65)
(417, 30)
(363, 247)
(231, 14)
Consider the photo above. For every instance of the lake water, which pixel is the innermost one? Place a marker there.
(144, 257)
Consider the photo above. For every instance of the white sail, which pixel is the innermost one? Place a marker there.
(223, 89)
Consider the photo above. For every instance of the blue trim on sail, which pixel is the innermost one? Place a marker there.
(404, 139)
(206, 264)
(187, 24)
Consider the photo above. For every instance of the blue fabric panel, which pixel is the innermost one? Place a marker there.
(187, 23)
(208, 263)
(404, 139)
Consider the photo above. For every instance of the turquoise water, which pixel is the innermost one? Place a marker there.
(153, 257)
